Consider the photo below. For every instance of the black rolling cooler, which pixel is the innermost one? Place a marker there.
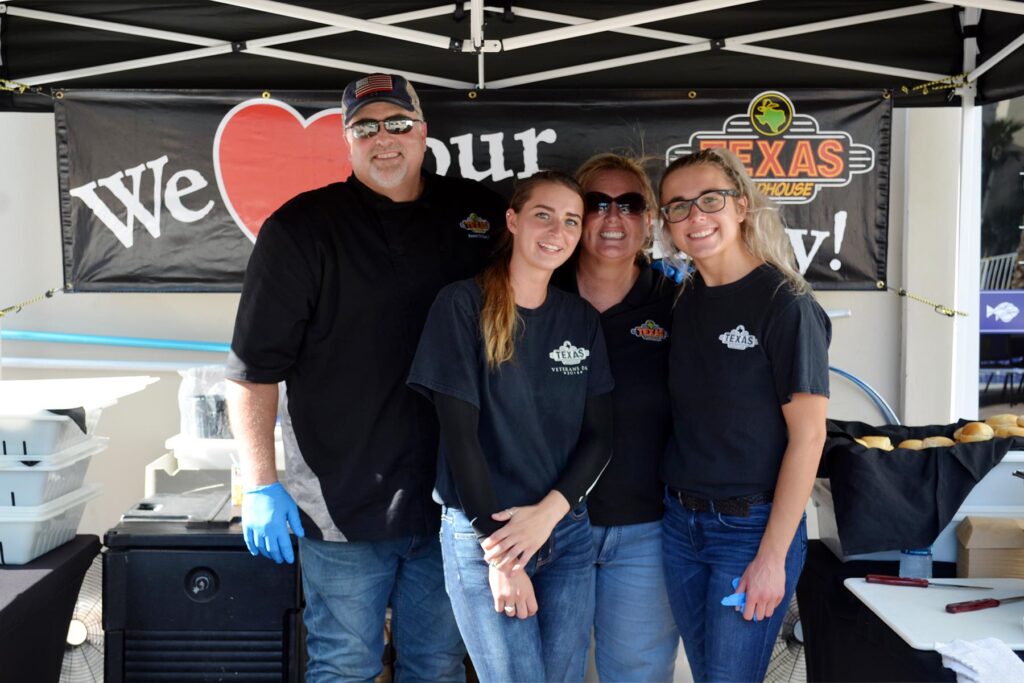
(185, 601)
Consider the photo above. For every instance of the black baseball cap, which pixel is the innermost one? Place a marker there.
(379, 88)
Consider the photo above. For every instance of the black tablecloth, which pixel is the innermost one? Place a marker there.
(843, 639)
(36, 603)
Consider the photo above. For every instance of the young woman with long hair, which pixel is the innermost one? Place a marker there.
(748, 377)
(519, 376)
(635, 636)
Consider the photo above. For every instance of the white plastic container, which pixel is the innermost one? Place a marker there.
(43, 433)
(944, 548)
(28, 532)
(46, 477)
(28, 428)
(193, 453)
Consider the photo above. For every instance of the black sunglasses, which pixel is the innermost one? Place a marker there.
(630, 203)
(396, 125)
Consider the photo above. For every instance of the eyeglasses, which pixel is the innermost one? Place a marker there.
(711, 201)
(628, 204)
(396, 125)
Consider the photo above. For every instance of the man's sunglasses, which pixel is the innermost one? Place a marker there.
(396, 125)
(630, 203)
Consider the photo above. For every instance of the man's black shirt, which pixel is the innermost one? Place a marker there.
(335, 296)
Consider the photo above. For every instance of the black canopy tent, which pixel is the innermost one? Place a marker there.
(921, 51)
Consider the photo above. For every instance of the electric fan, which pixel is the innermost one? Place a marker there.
(787, 664)
(83, 651)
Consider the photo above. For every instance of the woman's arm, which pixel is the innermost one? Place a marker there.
(528, 527)
(460, 422)
(513, 595)
(764, 580)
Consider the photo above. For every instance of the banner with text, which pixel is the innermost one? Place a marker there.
(167, 190)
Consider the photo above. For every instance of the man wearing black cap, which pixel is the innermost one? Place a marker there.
(335, 296)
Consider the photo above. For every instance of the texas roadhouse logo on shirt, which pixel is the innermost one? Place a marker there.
(571, 359)
(738, 339)
(650, 331)
(476, 226)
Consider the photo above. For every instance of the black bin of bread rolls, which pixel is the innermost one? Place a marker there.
(887, 500)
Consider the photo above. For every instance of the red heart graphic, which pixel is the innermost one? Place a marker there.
(266, 152)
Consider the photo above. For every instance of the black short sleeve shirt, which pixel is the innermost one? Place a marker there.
(739, 353)
(636, 331)
(334, 299)
(531, 408)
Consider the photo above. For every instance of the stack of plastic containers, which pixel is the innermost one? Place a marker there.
(43, 462)
(44, 457)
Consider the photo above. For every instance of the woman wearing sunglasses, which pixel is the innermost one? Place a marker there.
(749, 383)
(519, 376)
(635, 635)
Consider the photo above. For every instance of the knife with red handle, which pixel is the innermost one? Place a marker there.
(975, 605)
(918, 583)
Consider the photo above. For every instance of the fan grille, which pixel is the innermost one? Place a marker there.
(83, 659)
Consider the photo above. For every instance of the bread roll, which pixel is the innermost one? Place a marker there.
(975, 431)
(912, 444)
(956, 434)
(933, 441)
(881, 442)
(1002, 420)
(1007, 430)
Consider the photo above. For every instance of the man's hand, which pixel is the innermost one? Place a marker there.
(267, 511)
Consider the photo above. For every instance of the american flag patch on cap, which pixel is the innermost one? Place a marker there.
(373, 83)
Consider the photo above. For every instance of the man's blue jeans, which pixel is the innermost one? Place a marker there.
(634, 633)
(704, 551)
(550, 646)
(348, 587)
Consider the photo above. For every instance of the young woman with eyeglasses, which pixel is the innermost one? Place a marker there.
(748, 379)
(635, 635)
(519, 376)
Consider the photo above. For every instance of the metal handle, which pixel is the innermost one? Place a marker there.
(896, 580)
(971, 605)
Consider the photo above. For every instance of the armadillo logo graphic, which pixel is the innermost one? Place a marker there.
(788, 154)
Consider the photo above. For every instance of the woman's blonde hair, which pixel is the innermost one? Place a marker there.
(499, 320)
(609, 161)
(762, 230)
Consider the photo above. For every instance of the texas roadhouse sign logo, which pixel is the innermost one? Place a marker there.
(787, 154)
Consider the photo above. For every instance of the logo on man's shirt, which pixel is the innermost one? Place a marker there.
(650, 331)
(571, 359)
(476, 226)
(738, 339)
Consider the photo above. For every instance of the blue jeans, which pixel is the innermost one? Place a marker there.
(704, 551)
(348, 587)
(551, 646)
(635, 635)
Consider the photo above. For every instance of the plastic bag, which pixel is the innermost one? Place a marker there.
(201, 402)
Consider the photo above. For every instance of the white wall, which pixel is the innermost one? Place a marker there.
(30, 263)
(870, 344)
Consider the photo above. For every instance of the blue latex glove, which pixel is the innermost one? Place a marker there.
(738, 600)
(669, 271)
(267, 511)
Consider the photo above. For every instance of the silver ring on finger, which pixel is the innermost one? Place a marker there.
(510, 609)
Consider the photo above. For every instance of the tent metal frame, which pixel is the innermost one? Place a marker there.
(964, 394)
(477, 43)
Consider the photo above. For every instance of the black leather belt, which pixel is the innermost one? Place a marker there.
(738, 507)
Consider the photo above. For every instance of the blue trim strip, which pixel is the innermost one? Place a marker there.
(103, 340)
